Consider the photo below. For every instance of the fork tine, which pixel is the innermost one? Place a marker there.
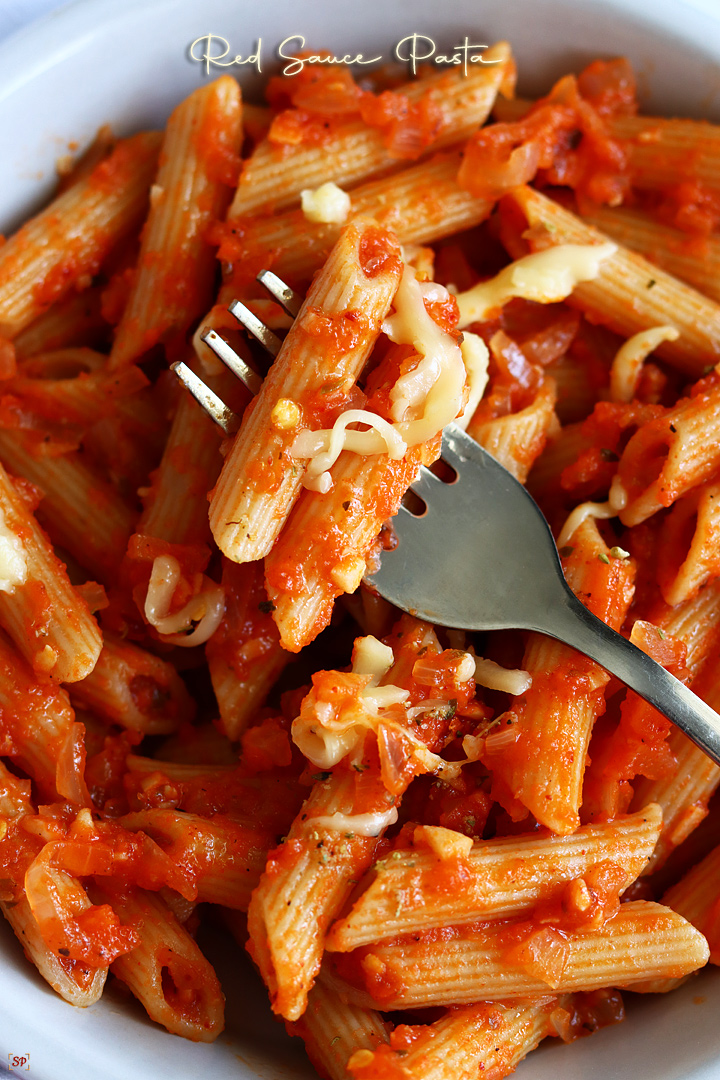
(214, 406)
(271, 342)
(424, 483)
(455, 444)
(403, 520)
(231, 360)
(285, 296)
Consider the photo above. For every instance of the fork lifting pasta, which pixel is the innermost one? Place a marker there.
(401, 817)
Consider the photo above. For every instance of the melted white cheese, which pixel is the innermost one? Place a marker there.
(423, 400)
(630, 357)
(361, 824)
(13, 562)
(206, 608)
(475, 356)
(545, 277)
(370, 657)
(513, 681)
(326, 205)
(581, 513)
(324, 447)
(432, 390)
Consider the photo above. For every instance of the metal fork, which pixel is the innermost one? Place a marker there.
(482, 556)
(213, 405)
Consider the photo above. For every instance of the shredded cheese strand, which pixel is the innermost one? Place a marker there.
(575, 518)
(372, 824)
(206, 608)
(630, 357)
(476, 357)
(13, 562)
(545, 277)
(513, 681)
(433, 390)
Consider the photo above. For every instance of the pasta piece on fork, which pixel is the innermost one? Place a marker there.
(327, 345)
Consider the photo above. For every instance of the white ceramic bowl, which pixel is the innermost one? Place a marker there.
(126, 62)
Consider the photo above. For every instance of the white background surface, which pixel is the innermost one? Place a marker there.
(16, 13)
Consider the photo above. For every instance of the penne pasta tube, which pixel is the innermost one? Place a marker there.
(537, 754)
(36, 719)
(224, 858)
(333, 1031)
(74, 384)
(641, 941)
(658, 298)
(275, 179)
(498, 879)
(67, 242)
(668, 248)
(306, 881)
(244, 654)
(684, 567)
(77, 320)
(332, 840)
(668, 456)
(518, 439)
(81, 511)
(135, 689)
(166, 971)
(421, 204)
(344, 310)
(331, 536)
(46, 618)
(695, 897)
(485, 1040)
(73, 980)
(665, 151)
(684, 795)
(645, 744)
(175, 504)
(173, 282)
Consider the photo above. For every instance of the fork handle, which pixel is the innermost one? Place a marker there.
(573, 624)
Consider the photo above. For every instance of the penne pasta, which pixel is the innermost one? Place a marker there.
(244, 654)
(421, 204)
(271, 178)
(396, 823)
(81, 511)
(656, 294)
(166, 971)
(348, 300)
(135, 689)
(333, 1032)
(490, 1039)
(630, 948)
(518, 440)
(46, 618)
(173, 279)
(498, 879)
(67, 242)
(668, 248)
(538, 754)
